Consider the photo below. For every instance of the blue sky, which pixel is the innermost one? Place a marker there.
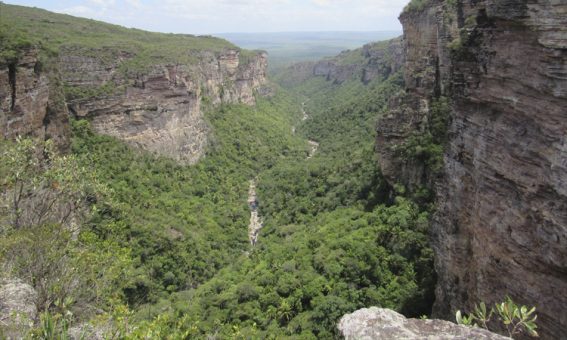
(222, 16)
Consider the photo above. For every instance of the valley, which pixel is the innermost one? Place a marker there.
(173, 186)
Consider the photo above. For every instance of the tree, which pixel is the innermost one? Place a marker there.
(39, 186)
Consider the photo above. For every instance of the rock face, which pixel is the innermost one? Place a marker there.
(366, 63)
(379, 323)
(369, 62)
(501, 223)
(30, 101)
(160, 110)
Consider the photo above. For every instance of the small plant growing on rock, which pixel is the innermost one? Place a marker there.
(515, 318)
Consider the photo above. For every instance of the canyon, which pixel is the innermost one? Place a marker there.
(162, 110)
(479, 128)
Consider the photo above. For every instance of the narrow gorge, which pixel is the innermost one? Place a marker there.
(370, 194)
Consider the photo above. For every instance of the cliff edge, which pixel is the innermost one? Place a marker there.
(148, 89)
(498, 69)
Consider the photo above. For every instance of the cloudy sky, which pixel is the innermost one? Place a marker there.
(222, 16)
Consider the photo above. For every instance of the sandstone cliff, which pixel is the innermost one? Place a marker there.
(31, 101)
(161, 110)
(364, 64)
(145, 88)
(501, 222)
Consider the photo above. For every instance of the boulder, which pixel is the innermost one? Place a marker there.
(380, 323)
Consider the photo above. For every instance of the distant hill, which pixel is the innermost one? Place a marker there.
(285, 48)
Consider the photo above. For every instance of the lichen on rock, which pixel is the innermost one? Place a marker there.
(379, 323)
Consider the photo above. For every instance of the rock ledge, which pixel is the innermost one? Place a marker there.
(380, 323)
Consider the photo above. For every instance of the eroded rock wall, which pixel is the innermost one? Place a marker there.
(31, 101)
(501, 222)
(161, 109)
(364, 64)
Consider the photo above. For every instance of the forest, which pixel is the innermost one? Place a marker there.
(126, 243)
(165, 246)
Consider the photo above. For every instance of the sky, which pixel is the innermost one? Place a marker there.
(225, 16)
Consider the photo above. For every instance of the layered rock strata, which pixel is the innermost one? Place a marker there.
(501, 222)
(364, 64)
(31, 101)
(371, 61)
(161, 110)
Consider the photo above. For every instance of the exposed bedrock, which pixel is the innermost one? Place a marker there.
(501, 222)
(161, 110)
(31, 102)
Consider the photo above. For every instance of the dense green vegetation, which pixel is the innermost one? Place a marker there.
(335, 237)
(155, 249)
(416, 5)
(426, 147)
(184, 223)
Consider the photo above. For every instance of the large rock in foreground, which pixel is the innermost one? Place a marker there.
(380, 323)
(18, 310)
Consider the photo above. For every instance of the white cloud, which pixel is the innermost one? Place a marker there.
(213, 16)
(104, 3)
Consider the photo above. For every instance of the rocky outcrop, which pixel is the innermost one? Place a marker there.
(18, 310)
(371, 61)
(161, 110)
(364, 64)
(31, 100)
(379, 323)
(501, 222)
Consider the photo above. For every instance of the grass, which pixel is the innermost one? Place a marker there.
(22, 27)
(416, 6)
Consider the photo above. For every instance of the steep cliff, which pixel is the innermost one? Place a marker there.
(371, 61)
(31, 101)
(161, 109)
(145, 88)
(501, 184)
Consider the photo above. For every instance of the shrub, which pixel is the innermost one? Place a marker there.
(515, 318)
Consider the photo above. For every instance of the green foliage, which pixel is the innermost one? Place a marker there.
(130, 51)
(515, 318)
(303, 278)
(416, 5)
(164, 252)
(49, 197)
(82, 92)
(427, 147)
(182, 223)
(52, 327)
(13, 42)
(330, 245)
(41, 186)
